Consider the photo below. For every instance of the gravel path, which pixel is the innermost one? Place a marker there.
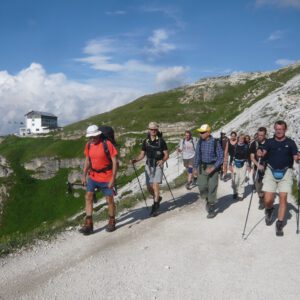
(180, 254)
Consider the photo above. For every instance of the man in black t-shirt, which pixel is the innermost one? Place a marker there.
(280, 153)
(156, 151)
(259, 143)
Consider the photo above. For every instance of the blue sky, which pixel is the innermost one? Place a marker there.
(78, 58)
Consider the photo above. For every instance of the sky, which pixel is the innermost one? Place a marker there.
(78, 58)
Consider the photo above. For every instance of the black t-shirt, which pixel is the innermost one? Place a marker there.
(231, 149)
(280, 154)
(241, 152)
(154, 150)
(161, 145)
(253, 149)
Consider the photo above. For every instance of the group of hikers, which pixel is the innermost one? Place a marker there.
(206, 159)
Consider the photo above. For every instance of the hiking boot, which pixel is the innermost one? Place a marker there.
(195, 181)
(88, 227)
(234, 196)
(154, 209)
(269, 216)
(240, 198)
(279, 227)
(188, 185)
(261, 204)
(211, 211)
(111, 226)
(159, 200)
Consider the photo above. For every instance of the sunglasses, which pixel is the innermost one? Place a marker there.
(152, 129)
(203, 132)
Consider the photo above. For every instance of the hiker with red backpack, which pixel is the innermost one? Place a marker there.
(187, 147)
(101, 167)
(155, 149)
(208, 159)
(239, 164)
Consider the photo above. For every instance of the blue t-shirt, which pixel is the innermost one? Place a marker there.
(280, 154)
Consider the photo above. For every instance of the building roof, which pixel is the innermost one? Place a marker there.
(39, 114)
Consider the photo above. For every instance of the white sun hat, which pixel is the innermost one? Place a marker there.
(93, 130)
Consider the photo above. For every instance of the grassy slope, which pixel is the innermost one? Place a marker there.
(165, 107)
(33, 202)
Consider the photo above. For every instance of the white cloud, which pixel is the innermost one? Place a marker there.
(34, 89)
(98, 55)
(159, 44)
(276, 35)
(171, 77)
(284, 62)
(101, 53)
(279, 3)
(116, 12)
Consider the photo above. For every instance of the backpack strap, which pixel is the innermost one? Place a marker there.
(107, 153)
(192, 140)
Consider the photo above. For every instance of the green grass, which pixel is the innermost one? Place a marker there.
(33, 202)
(25, 149)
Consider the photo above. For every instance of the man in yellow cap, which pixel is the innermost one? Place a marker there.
(208, 158)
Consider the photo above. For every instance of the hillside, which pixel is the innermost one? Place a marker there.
(33, 191)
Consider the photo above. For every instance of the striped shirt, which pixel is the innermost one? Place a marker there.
(207, 153)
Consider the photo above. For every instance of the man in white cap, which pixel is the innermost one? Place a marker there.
(156, 151)
(208, 158)
(101, 166)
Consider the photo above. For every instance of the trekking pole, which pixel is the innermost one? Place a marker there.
(168, 185)
(137, 177)
(255, 178)
(297, 231)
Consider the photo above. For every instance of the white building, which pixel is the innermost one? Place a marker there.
(38, 122)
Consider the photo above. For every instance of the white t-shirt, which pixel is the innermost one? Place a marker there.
(188, 148)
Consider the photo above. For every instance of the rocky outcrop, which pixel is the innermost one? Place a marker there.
(47, 167)
(5, 170)
(3, 196)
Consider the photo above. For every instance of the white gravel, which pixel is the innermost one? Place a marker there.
(180, 254)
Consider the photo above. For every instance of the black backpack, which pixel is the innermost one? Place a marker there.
(107, 133)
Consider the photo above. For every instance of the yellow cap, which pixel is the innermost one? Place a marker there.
(204, 128)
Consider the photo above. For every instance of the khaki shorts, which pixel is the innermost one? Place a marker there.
(284, 185)
(153, 174)
(188, 162)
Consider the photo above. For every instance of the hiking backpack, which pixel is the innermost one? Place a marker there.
(192, 140)
(107, 134)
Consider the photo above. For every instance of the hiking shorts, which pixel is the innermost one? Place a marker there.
(284, 185)
(153, 174)
(188, 162)
(102, 186)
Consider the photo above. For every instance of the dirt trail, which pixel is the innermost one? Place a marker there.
(180, 254)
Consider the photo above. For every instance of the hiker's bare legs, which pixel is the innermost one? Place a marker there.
(89, 203)
(111, 206)
(156, 190)
(282, 206)
(150, 189)
(269, 199)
